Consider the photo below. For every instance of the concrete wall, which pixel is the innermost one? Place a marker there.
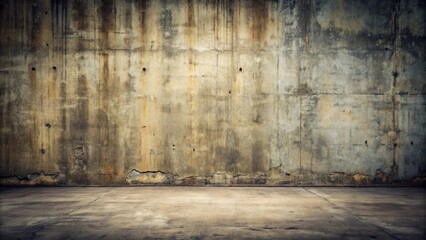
(212, 92)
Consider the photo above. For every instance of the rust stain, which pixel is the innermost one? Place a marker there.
(234, 14)
(220, 19)
(257, 157)
(191, 83)
(304, 17)
(34, 135)
(190, 20)
(103, 117)
(40, 22)
(143, 9)
(52, 93)
(194, 132)
(190, 25)
(145, 129)
(216, 20)
(107, 17)
(260, 16)
(306, 42)
(82, 112)
(79, 129)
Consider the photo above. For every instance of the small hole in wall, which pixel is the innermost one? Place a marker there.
(395, 74)
(33, 69)
(230, 92)
(144, 69)
(42, 151)
(365, 142)
(173, 145)
(48, 125)
(411, 142)
(193, 149)
(395, 144)
(240, 69)
(54, 67)
(47, 44)
(45, 12)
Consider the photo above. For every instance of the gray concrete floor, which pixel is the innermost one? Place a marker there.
(212, 213)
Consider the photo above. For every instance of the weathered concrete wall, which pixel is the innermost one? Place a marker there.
(220, 92)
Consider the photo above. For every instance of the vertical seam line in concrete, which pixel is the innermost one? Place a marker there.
(352, 214)
(278, 88)
(64, 80)
(395, 16)
(300, 127)
(97, 60)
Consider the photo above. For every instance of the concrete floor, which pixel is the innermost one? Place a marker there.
(212, 212)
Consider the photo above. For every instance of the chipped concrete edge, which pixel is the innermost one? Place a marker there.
(32, 179)
(273, 177)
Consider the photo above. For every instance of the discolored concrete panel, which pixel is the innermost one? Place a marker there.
(212, 92)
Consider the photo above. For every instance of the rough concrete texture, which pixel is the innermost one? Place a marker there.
(224, 92)
(212, 213)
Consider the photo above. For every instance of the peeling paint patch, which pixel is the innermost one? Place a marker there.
(242, 179)
(150, 177)
(220, 178)
(361, 179)
(341, 178)
(34, 179)
(193, 181)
